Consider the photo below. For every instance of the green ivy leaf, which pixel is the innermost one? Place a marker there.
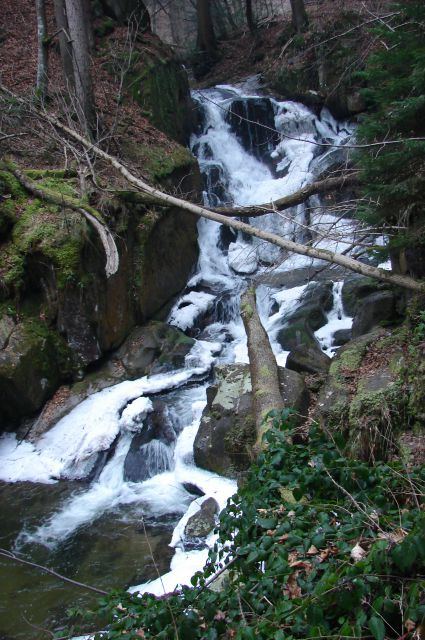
(377, 628)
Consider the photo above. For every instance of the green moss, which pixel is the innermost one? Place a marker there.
(157, 87)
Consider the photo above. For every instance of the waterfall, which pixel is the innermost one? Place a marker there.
(242, 164)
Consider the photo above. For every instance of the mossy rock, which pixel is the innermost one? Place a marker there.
(333, 402)
(158, 83)
(377, 413)
(32, 364)
(225, 439)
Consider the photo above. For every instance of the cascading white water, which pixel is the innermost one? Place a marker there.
(209, 309)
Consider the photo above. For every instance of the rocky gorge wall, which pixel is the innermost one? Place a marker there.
(59, 313)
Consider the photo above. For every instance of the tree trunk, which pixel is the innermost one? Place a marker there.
(81, 65)
(266, 394)
(89, 23)
(64, 44)
(206, 37)
(299, 15)
(249, 16)
(42, 60)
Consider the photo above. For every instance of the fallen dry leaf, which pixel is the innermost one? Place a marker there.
(302, 565)
(357, 553)
(293, 589)
(312, 551)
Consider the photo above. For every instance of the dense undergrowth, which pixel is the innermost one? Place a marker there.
(316, 545)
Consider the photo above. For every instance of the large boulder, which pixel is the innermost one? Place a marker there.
(203, 521)
(363, 397)
(308, 359)
(375, 309)
(334, 398)
(154, 348)
(226, 434)
(150, 450)
(33, 361)
(357, 287)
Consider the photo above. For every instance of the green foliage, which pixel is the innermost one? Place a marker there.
(290, 573)
(394, 175)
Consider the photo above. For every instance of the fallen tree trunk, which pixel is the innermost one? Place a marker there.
(266, 394)
(93, 217)
(322, 254)
(298, 197)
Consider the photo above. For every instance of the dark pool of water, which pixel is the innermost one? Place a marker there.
(114, 551)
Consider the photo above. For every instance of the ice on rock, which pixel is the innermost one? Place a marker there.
(243, 257)
(189, 308)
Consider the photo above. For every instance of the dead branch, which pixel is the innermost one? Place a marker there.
(11, 556)
(298, 197)
(94, 218)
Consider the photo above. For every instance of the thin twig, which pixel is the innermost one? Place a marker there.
(11, 556)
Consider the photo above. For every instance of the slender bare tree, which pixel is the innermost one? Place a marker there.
(64, 43)
(299, 15)
(42, 59)
(206, 37)
(81, 61)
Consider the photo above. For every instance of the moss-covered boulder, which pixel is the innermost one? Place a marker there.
(32, 363)
(154, 348)
(158, 83)
(377, 413)
(334, 398)
(226, 434)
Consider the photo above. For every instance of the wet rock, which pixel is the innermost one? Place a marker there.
(309, 315)
(245, 116)
(150, 451)
(31, 366)
(308, 359)
(203, 521)
(193, 489)
(226, 434)
(7, 324)
(373, 310)
(341, 337)
(154, 348)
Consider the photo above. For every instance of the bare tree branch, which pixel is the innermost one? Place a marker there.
(94, 218)
(11, 556)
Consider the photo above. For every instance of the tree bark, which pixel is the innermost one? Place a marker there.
(299, 15)
(206, 37)
(249, 16)
(42, 59)
(298, 197)
(266, 394)
(64, 44)
(81, 65)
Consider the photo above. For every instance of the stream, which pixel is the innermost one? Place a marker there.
(114, 533)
